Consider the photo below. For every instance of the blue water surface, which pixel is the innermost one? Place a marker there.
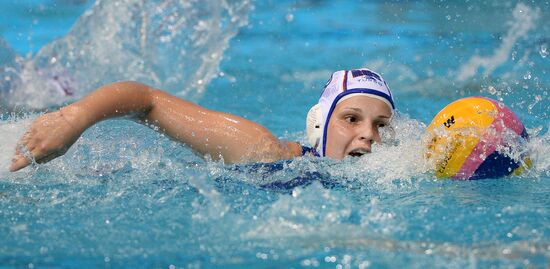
(126, 196)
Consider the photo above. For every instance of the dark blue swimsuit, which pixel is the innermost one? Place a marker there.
(306, 178)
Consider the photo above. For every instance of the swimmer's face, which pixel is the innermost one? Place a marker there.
(354, 126)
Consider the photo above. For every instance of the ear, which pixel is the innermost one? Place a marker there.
(314, 125)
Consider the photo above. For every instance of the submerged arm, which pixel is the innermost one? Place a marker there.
(207, 132)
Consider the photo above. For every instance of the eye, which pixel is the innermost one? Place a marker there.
(351, 119)
(381, 124)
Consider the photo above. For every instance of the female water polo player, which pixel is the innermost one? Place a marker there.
(346, 121)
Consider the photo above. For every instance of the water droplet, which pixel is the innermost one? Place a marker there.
(492, 90)
(296, 192)
(527, 75)
(43, 250)
(289, 17)
(543, 51)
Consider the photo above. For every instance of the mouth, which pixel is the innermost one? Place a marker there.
(358, 152)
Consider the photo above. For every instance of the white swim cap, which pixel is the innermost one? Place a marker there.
(343, 84)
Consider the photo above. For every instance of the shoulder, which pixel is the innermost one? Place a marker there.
(291, 149)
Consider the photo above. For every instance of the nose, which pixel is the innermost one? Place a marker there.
(367, 134)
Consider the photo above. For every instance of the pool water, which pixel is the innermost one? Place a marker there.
(126, 196)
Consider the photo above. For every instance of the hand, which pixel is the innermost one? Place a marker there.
(49, 137)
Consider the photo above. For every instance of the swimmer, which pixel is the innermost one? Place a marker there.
(353, 107)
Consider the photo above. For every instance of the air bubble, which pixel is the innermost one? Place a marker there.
(330, 259)
(543, 51)
(289, 17)
(492, 90)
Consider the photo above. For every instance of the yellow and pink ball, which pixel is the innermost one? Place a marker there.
(476, 137)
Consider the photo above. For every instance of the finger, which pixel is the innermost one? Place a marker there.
(17, 151)
(21, 150)
(24, 140)
(28, 147)
(24, 156)
(18, 148)
(19, 162)
(25, 149)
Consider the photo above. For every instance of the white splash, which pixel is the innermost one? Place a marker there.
(524, 19)
(175, 45)
(10, 132)
(538, 147)
(402, 158)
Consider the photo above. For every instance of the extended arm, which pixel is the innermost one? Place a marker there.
(207, 132)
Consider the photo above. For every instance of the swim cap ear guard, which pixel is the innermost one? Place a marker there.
(343, 84)
(314, 125)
